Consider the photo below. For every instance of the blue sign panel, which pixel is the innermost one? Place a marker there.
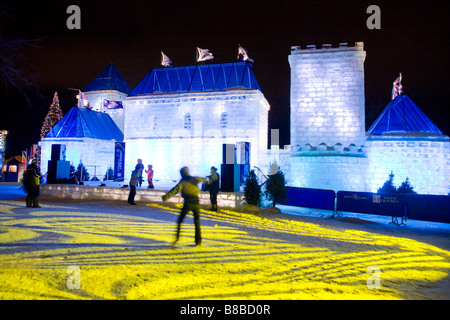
(310, 198)
(384, 204)
(119, 161)
(428, 207)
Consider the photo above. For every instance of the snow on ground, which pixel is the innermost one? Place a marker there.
(126, 252)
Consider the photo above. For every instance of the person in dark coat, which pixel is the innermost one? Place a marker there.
(135, 174)
(32, 181)
(188, 187)
(214, 179)
(138, 167)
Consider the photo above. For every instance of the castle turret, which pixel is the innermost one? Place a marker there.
(327, 117)
(107, 92)
(327, 95)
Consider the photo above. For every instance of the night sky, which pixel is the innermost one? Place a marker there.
(413, 40)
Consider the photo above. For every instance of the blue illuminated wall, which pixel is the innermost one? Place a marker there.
(170, 131)
(424, 160)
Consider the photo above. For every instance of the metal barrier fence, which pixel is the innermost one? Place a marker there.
(427, 207)
(384, 204)
(432, 208)
(310, 198)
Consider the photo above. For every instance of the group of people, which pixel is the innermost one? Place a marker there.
(136, 176)
(187, 187)
(189, 190)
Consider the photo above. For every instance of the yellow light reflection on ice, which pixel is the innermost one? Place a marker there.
(131, 257)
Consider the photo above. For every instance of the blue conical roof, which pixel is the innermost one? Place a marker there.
(402, 115)
(109, 79)
(198, 78)
(82, 122)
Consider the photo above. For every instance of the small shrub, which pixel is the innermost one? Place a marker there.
(82, 174)
(388, 186)
(406, 187)
(252, 190)
(109, 174)
(276, 188)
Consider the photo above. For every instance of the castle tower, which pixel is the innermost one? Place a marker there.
(327, 117)
(327, 95)
(108, 86)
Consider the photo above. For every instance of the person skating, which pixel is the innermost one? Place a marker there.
(188, 187)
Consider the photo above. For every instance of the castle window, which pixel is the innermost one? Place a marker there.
(187, 121)
(223, 120)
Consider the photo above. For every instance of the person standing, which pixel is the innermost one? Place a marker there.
(150, 176)
(214, 179)
(139, 164)
(188, 187)
(140, 168)
(133, 181)
(32, 181)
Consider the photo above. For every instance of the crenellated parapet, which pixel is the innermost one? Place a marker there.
(322, 149)
(343, 46)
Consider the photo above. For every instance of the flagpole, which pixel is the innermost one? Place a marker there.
(78, 99)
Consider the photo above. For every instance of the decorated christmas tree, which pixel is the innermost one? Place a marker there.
(53, 116)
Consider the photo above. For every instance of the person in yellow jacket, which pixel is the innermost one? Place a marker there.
(188, 187)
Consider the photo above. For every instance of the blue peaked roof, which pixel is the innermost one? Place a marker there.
(198, 78)
(82, 122)
(402, 115)
(109, 79)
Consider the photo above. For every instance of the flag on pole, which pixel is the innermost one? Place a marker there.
(243, 55)
(204, 55)
(397, 87)
(112, 104)
(84, 100)
(165, 61)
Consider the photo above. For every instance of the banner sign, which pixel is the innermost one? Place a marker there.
(384, 204)
(119, 161)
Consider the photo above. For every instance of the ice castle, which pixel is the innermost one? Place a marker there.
(180, 116)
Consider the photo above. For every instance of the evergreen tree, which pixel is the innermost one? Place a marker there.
(81, 173)
(406, 187)
(388, 186)
(109, 174)
(53, 116)
(252, 190)
(276, 188)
